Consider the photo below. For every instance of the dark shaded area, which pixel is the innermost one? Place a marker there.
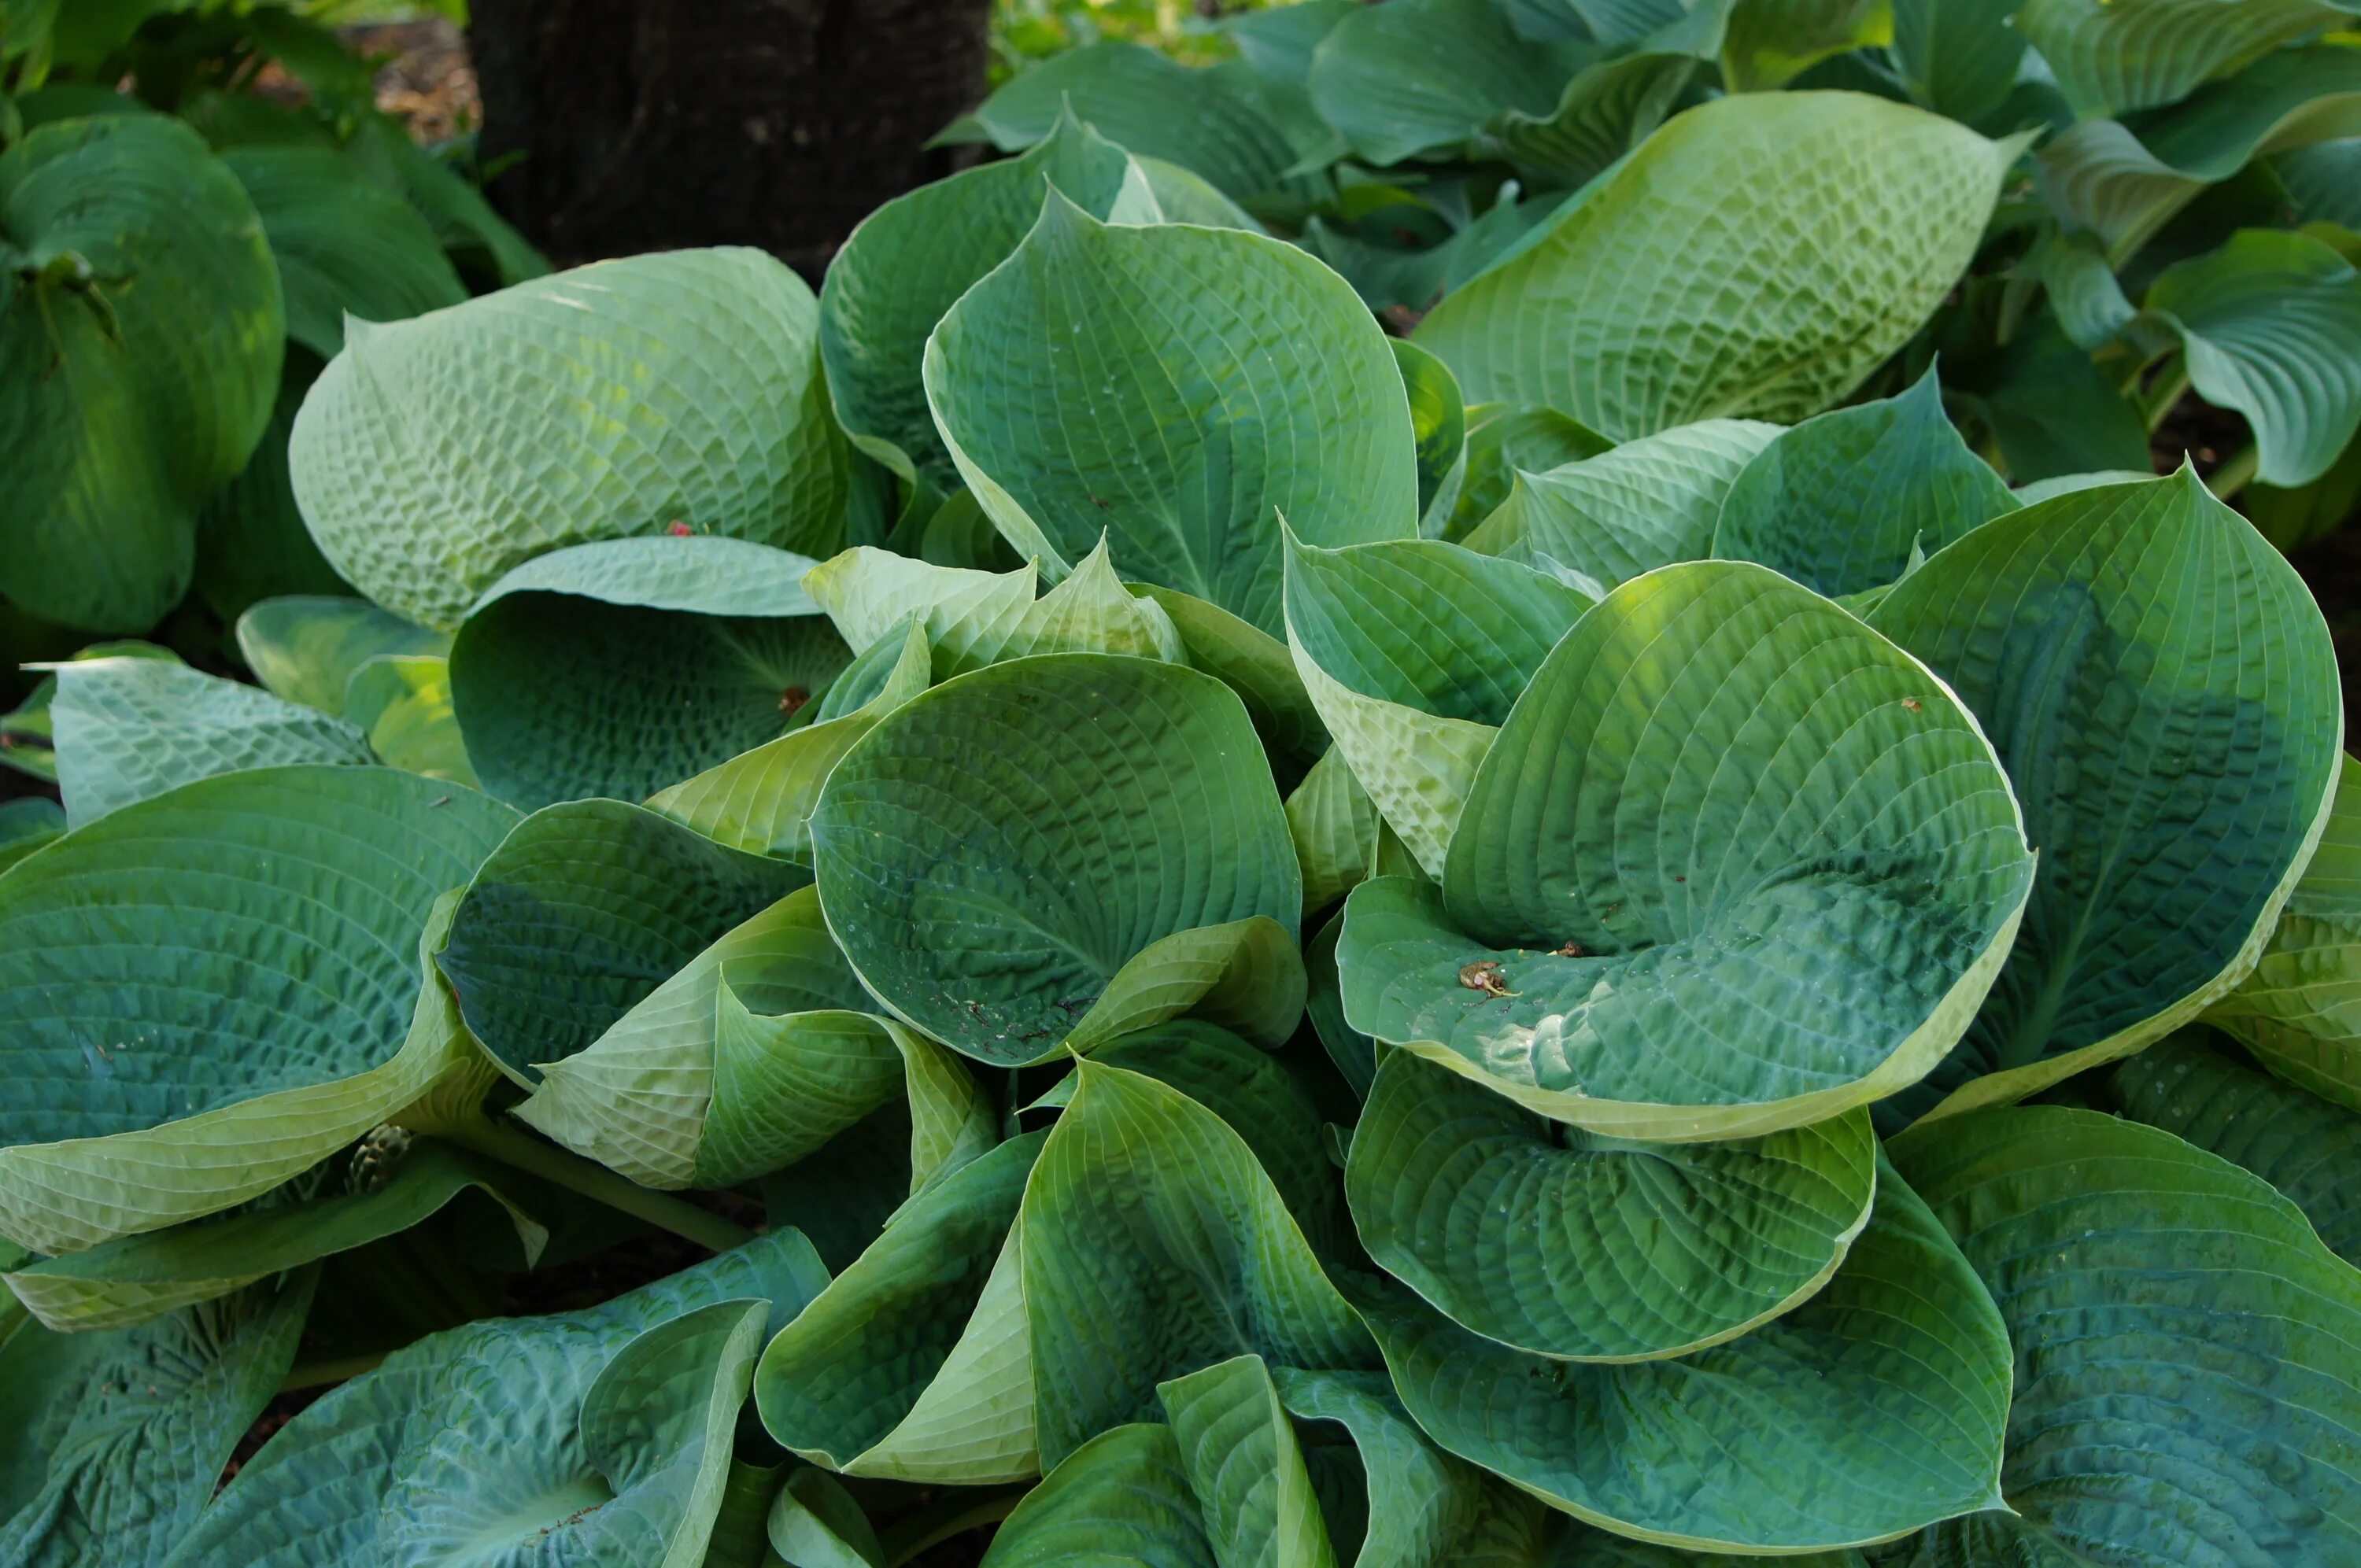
(2331, 569)
(625, 126)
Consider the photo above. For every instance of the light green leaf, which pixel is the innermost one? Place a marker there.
(815, 1523)
(751, 1057)
(761, 801)
(1146, 104)
(1841, 501)
(915, 1363)
(1184, 196)
(2305, 1147)
(2108, 56)
(2270, 326)
(1123, 1496)
(1769, 43)
(681, 387)
(206, 993)
(135, 1278)
(343, 245)
(1593, 1249)
(1414, 75)
(913, 258)
(580, 914)
(1061, 848)
(27, 737)
(599, 1437)
(1152, 387)
(1688, 285)
(1155, 1246)
(1413, 651)
(621, 668)
(1874, 1409)
(2174, 1320)
(141, 328)
(2041, 490)
(1246, 1467)
(2299, 1010)
(1504, 439)
(1641, 943)
(2161, 688)
(114, 1441)
(403, 701)
(1251, 663)
(1334, 827)
(1644, 504)
(306, 648)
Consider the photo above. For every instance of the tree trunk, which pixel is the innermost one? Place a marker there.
(649, 124)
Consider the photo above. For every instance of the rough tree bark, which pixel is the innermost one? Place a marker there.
(646, 124)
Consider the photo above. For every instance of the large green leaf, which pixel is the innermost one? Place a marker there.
(1643, 505)
(913, 258)
(1239, 1449)
(1413, 650)
(2299, 1010)
(1204, 121)
(1758, 256)
(251, 542)
(1156, 1247)
(1771, 42)
(915, 1363)
(1504, 439)
(752, 1056)
(129, 728)
(1174, 390)
(341, 244)
(596, 1437)
(1603, 113)
(305, 647)
(1957, 56)
(435, 454)
(2270, 326)
(114, 1441)
(2161, 688)
(26, 824)
(1594, 1249)
(1416, 75)
(1334, 825)
(205, 992)
(620, 667)
(2108, 56)
(2307, 1149)
(1059, 848)
(1253, 664)
(581, 913)
(1720, 791)
(1843, 502)
(1123, 1496)
(2184, 1386)
(142, 326)
(1874, 1409)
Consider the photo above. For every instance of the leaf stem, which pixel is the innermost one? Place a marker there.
(2235, 472)
(908, 1536)
(495, 1139)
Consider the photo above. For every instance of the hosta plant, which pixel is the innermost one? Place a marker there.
(1235, 961)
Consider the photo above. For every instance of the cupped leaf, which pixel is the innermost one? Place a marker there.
(1719, 790)
(2306, 1147)
(1416, 75)
(1122, 1497)
(343, 243)
(1700, 280)
(1334, 825)
(1413, 650)
(141, 326)
(620, 667)
(2299, 1010)
(915, 1364)
(114, 1441)
(2183, 1340)
(134, 1278)
(1239, 1450)
(595, 1436)
(582, 912)
(129, 728)
(1594, 1249)
(1156, 1247)
(435, 454)
(1202, 120)
(1062, 847)
(2108, 56)
(1251, 663)
(1873, 1410)
(205, 994)
(1174, 390)
(1645, 504)
(305, 647)
(912, 258)
(815, 1523)
(2270, 326)
(1842, 501)
(751, 1057)
(2160, 686)
(1769, 43)
(402, 703)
